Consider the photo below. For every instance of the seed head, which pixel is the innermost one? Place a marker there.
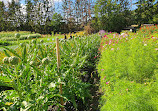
(6, 60)
(17, 35)
(13, 60)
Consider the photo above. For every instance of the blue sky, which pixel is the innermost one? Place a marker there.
(58, 3)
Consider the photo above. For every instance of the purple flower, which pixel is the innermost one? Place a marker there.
(102, 69)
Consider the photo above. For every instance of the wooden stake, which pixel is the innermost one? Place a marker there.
(58, 54)
(58, 65)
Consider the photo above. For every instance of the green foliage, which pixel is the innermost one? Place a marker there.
(4, 43)
(146, 12)
(56, 22)
(111, 15)
(36, 85)
(128, 70)
(22, 37)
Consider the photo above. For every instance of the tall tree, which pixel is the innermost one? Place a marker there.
(146, 11)
(112, 15)
(2, 16)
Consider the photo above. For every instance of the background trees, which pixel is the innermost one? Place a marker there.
(45, 16)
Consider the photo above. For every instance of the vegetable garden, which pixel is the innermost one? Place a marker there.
(127, 64)
(35, 79)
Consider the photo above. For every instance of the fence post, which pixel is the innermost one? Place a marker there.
(58, 65)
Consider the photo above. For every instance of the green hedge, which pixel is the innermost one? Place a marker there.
(128, 68)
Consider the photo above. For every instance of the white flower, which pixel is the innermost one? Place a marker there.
(145, 44)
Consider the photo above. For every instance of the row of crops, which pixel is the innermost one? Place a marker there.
(128, 70)
(9, 38)
(31, 73)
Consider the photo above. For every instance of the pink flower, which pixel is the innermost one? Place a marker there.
(112, 48)
(153, 37)
(102, 69)
(156, 49)
(104, 78)
(107, 82)
(127, 89)
(104, 35)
